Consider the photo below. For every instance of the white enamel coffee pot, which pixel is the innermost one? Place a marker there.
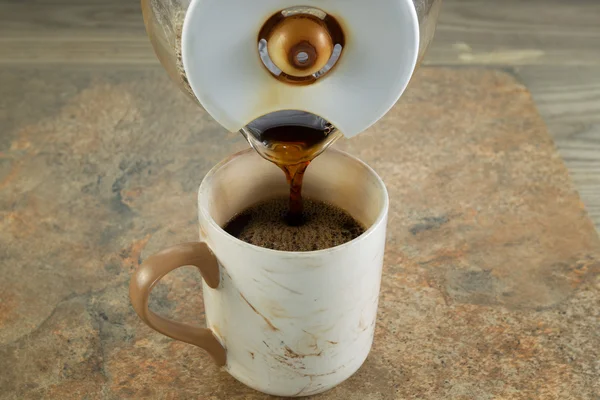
(336, 63)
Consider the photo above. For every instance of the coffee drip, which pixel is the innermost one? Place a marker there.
(291, 140)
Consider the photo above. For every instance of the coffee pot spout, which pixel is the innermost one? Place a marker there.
(300, 136)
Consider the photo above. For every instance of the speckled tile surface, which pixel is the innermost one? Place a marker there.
(490, 286)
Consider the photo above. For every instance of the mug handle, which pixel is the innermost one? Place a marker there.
(153, 270)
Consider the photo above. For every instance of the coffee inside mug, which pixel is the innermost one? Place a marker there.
(245, 179)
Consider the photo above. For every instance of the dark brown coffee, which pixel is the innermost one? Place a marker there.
(265, 225)
(292, 148)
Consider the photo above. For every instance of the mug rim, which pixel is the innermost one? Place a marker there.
(204, 212)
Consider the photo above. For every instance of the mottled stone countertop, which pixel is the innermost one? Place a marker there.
(490, 286)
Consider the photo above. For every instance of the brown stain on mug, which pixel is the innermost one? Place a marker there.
(273, 327)
(287, 362)
(292, 354)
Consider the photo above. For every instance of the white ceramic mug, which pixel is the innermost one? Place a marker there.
(283, 323)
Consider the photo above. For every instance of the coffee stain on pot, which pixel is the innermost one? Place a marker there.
(269, 323)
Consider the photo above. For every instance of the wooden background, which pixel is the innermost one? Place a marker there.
(553, 46)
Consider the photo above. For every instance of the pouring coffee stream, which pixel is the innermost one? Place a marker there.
(297, 46)
(291, 140)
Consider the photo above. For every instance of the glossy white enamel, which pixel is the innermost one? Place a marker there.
(223, 67)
